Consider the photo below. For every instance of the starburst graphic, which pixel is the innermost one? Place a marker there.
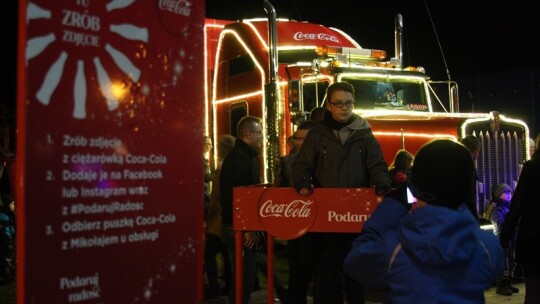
(75, 22)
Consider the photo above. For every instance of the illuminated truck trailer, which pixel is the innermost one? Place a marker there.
(279, 69)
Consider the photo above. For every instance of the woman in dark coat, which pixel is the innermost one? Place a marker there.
(523, 216)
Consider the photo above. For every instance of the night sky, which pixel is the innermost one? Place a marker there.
(476, 37)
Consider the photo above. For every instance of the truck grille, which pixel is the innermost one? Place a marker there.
(500, 160)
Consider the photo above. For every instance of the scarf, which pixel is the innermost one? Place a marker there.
(334, 124)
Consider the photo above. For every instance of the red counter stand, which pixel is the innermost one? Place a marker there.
(284, 214)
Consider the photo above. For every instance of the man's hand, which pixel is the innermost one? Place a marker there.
(305, 191)
(249, 240)
(400, 195)
(382, 188)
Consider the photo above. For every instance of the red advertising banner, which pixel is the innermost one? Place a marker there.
(111, 101)
(285, 214)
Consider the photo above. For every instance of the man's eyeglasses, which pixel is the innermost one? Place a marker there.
(340, 104)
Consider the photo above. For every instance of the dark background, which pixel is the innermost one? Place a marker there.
(491, 48)
(476, 37)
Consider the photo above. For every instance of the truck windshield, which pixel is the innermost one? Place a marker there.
(389, 94)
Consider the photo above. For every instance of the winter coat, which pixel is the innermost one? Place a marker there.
(498, 214)
(324, 161)
(523, 216)
(431, 255)
(283, 176)
(240, 168)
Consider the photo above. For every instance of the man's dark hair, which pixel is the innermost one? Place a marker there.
(225, 145)
(307, 125)
(317, 114)
(246, 125)
(339, 86)
(471, 142)
(402, 160)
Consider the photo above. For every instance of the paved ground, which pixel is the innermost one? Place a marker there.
(281, 267)
(259, 297)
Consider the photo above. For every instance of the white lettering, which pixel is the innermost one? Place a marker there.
(313, 36)
(83, 21)
(78, 282)
(75, 141)
(84, 175)
(296, 208)
(346, 217)
(180, 7)
(141, 159)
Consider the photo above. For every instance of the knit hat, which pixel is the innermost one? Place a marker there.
(500, 189)
(443, 173)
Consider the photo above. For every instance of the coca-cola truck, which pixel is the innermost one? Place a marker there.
(279, 70)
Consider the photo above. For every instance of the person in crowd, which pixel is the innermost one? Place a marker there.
(317, 114)
(399, 169)
(434, 252)
(523, 217)
(501, 196)
(532, 147)
(290, 144)
(241, 168)
(7, 178)
(283, 174)
(214, 245)
(7, 239)
(300, 258)
(473, 144)
(3, 158)
(340, 152)
(207, 147)
(282, 169)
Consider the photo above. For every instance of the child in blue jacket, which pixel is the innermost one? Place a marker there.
(502, 196)
(434, 252)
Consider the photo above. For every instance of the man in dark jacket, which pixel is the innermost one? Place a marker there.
(340, 152)
(241, 168)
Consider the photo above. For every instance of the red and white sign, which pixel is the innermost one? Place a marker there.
(110, 118)
(285, 214)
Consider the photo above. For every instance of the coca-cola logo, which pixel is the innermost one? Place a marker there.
(285, 214)
(180, 7)
(176, 15)
(296, 208)
(315, 36)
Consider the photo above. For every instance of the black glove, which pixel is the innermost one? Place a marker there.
(382, 188)
(400, 195)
